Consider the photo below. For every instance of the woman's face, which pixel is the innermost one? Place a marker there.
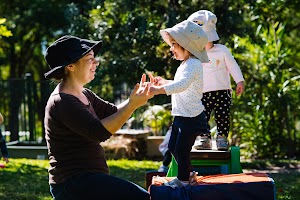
(85, 68)
(178, 51)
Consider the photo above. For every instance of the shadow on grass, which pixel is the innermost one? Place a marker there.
(273, 165)
(24, 182)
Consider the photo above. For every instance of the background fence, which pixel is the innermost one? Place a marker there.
(22, 103)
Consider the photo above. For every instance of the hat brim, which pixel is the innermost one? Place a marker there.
(93, 45)
(212, 35)
(201, 55)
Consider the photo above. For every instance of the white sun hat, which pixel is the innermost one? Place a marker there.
(207, 20)
(190, 36)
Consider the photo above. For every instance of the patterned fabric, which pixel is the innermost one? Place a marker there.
(219, 102)
(186, 89)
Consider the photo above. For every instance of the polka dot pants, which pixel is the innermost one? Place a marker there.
(219, 102)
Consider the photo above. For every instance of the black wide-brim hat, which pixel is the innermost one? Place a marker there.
(67, 50)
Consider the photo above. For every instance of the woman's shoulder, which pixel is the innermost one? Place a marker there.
(89, 92)
(61, 99)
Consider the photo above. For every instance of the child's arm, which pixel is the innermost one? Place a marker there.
(235, 71)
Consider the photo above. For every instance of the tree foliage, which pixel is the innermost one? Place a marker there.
(269, 108)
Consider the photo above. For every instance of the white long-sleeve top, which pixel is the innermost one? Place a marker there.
(216, 73)
(186, 89)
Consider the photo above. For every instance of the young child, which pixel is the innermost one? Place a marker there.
(187, 42)
(3, 143)
(216, 80)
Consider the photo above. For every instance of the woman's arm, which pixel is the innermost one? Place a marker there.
(138, 97)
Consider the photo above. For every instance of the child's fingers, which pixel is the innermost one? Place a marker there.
(151, 77)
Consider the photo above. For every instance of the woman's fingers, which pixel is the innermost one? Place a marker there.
(143, 80)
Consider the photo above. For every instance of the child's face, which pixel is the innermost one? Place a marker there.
(179, 53)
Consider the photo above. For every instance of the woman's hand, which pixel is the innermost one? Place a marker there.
(139, 95)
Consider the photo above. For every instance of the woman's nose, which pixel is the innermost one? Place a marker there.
(96, 62)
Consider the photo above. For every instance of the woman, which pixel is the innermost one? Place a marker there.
(77, 121)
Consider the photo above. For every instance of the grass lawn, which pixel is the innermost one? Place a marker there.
(27, 179)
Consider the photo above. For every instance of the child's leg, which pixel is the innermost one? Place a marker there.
(222, 117)
(222, 111)
(167, 158)
(186, 129)
(189, 129)
(166, 162)
(208, 105)
(173, 139)
(181, 146)
(204, 142)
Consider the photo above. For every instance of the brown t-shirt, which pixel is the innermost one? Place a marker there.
(73, 134)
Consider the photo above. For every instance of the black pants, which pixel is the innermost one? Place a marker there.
(90, 186)
(219, 102)
(183, 135)
(167, 158)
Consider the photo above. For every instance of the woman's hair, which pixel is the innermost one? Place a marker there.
(59, 75)
(62, 73)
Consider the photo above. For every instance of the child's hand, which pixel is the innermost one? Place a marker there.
(155, 90)
(239, 88)
(152, 78)
(160, 81)
(156, 80)
(155, 85)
